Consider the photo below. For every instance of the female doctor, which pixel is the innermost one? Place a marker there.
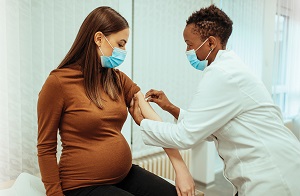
(231, 107)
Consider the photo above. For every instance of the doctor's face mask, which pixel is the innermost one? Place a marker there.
(193, 59)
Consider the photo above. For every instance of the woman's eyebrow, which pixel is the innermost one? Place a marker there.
(123, 40)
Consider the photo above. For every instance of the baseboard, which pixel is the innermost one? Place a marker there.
(207, 186)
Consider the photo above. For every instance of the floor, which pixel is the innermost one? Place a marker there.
(221, 187)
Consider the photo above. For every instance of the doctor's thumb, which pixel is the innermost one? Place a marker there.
(150, 99)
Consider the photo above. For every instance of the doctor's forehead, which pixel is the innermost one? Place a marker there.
(191, 33)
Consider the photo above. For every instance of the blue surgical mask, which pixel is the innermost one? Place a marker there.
(116, 59)
(194, 61)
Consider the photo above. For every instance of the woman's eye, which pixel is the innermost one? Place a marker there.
(121, 46)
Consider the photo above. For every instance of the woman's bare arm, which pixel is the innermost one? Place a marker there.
(184, 181)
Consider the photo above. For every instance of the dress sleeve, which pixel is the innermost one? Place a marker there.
(128, 86)
(49, 111)
(215, 103)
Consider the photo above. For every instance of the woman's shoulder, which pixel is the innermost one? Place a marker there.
(67, 71)
(119, 72)
(125, 80)
(122, 76)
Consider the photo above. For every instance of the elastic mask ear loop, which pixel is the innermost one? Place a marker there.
(108, 42)
(209, 53)
(101, 51)
(201, 45)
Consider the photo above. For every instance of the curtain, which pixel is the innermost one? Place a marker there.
(34, 37)
(247, 35)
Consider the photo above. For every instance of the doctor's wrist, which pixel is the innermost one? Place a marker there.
(174, 110)
(169, 107)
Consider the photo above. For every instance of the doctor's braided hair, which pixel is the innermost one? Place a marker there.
(211, 21)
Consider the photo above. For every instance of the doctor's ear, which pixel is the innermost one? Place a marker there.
(98, 37)
(212, 41)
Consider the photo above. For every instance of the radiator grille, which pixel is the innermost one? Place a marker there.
(160, 164)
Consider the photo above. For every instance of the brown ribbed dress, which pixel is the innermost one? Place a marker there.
(94, 150)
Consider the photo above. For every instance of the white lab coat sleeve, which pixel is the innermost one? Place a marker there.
(181, 115)
(216, 102)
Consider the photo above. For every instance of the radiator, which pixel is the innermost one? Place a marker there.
(160, 164)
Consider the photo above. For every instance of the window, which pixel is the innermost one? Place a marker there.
(279, 88)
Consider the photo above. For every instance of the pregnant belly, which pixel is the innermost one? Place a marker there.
(99, 163)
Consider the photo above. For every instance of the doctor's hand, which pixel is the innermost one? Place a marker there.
(135, 111)
(159, 98)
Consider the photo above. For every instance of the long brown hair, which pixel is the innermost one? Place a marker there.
(84, 53)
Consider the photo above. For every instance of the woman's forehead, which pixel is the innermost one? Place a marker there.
(123, 34)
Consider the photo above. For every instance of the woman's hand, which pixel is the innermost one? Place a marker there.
(185, 184)
(159, 98)
(135, 111)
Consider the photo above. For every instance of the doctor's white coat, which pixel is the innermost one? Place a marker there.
(233, 108)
